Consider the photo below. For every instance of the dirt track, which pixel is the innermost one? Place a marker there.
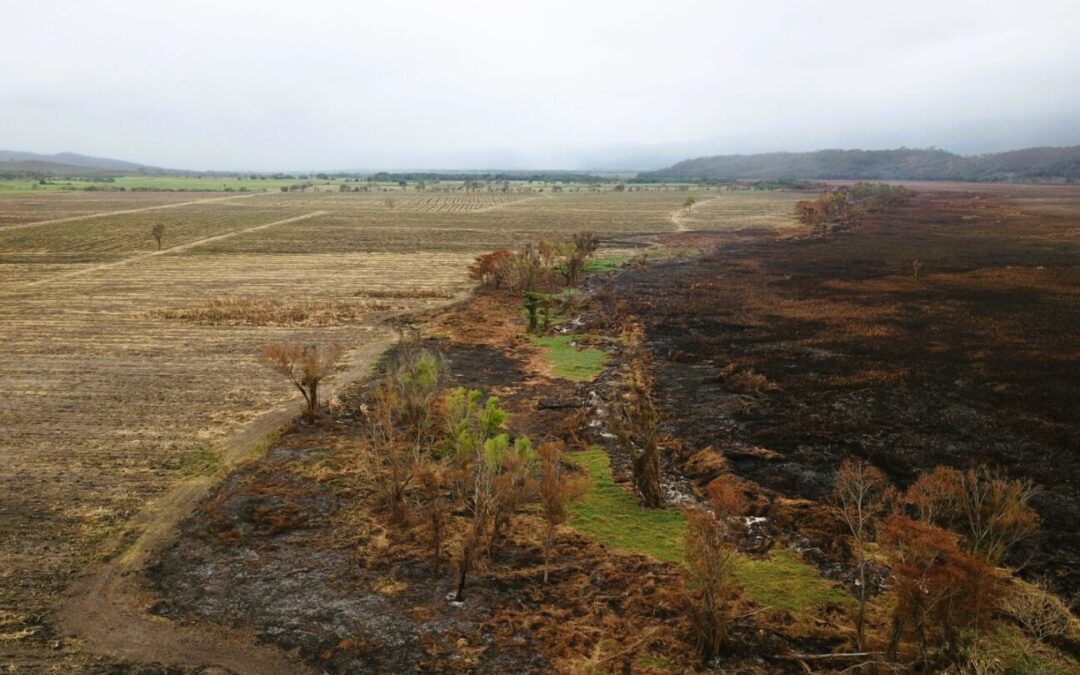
(55, 221)
(108, 610)
(174, 249)
(678, 216)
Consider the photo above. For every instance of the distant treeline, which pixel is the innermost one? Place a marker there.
(1032, 164)
(497, 176)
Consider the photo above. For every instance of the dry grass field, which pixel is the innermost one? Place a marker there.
(125, 368)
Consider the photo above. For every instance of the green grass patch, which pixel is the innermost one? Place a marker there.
(608, 263)
(613, 517)
(784, 581)
(570, 361)
(203, 462)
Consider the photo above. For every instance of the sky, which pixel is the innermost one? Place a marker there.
(327, 85)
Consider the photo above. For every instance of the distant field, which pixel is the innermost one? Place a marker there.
(110, 397)
(209, 184)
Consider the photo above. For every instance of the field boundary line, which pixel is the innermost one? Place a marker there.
(172, 249)
(69, 219)
(678, 214)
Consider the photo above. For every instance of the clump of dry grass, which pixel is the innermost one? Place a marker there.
(745, 380)
(253, 311)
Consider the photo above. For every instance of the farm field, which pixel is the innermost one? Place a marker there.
(123, 375)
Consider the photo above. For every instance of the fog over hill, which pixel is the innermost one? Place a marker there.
(1030, 164)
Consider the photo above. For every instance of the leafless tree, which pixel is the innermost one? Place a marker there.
(556, 490)
(305, 365)
(158, 233)
(861, 497)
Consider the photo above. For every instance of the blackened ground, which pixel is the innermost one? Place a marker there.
(833, 348)
(261, 555)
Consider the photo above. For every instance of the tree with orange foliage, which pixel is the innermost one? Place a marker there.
(994, 513)
(303, 364)
(861, 496)
(556, 490)
(937, 496)
(490, 269)
(941, 592)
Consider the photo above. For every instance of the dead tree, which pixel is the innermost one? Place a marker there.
(635, 422)
(158, 233)
(305, 365)
(860, 496)
(556, 491)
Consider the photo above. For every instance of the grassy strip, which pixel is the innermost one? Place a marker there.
(569, 361)
(613, 517)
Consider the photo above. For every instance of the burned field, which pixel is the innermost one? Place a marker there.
(293, 549)
(946, 332)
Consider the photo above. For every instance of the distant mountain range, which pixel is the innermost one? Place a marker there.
(1031, 164)
(69, 164)
(1049, 164)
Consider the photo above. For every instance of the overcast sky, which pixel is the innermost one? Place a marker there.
(457, 84)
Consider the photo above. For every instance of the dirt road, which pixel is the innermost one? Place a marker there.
(678, 215)
(106, 214)
(173, 249)
(109, 611)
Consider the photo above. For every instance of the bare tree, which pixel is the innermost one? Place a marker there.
(998, 513)
(712, 598)
(577, 252)
(431, 478)
(556, 490)
(388, 460)
(305, 365)
(861, 496)
(994, 513)
(634, 422)
(158, 233)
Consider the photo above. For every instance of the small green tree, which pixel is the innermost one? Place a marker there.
(689, 203)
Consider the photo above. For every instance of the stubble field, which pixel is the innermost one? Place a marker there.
(117, 384)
